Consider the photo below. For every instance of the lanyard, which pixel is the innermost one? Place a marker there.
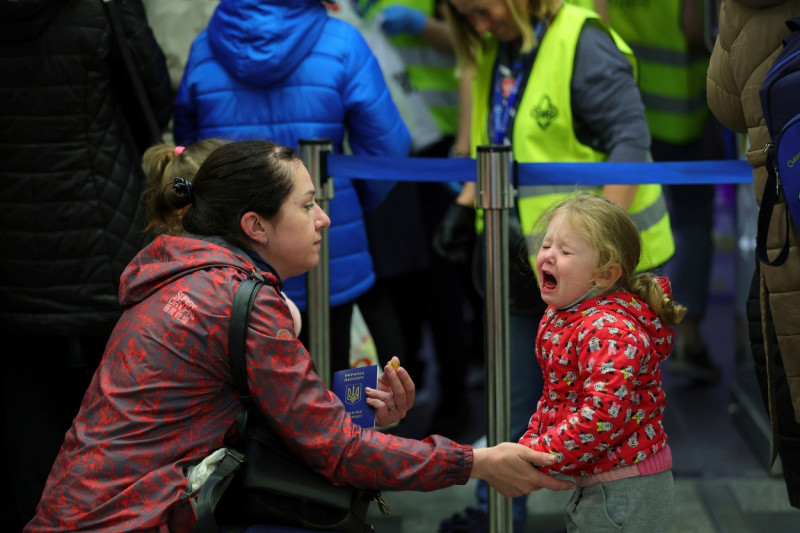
(504, 100)
(505, 91)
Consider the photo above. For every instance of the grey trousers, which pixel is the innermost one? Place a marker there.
(641, 504)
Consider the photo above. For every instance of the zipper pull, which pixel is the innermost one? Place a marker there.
(772, 162)
(382, 505)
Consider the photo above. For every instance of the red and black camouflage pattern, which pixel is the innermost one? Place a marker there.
(603, 405)
(163, 398)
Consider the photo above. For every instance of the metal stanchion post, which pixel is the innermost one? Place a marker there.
(314, 154)
(495, 197)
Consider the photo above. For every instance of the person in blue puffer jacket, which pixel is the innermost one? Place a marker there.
(268, 69)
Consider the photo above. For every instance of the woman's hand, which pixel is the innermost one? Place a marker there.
(511, 469)
(394, 395)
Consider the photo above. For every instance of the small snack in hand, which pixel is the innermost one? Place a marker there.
(394, 364)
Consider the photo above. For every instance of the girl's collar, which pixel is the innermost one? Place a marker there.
(593, 292)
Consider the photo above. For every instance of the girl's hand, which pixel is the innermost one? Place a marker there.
(394, 395)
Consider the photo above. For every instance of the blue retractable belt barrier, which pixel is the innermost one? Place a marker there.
(460, 169)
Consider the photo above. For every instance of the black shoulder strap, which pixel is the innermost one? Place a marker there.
(768, 201)
(212, 490)
(242, 303)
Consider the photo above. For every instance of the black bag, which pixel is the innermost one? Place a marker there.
(781, 107)
(262, 481)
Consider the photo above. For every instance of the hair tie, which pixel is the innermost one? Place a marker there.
(183, 187)
(179, 150)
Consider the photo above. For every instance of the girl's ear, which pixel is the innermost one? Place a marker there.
(608, 277)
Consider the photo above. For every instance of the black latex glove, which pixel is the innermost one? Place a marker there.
(454, 238)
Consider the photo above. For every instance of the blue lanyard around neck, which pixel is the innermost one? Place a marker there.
(505, 91)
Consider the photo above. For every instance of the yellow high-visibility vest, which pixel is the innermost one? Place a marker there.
(543, 132)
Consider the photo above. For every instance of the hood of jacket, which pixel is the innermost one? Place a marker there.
(260, 42)
(606, 309)
(22, 20)
(168, 258)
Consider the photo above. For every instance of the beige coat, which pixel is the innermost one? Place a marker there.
(175, 24)
(749, 39)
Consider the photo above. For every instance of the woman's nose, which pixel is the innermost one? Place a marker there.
(323, 220)
(480, 23)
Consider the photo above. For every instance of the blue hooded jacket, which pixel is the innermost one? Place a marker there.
(285, 71)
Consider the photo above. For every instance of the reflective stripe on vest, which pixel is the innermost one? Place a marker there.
(430, 72)
(672, 79)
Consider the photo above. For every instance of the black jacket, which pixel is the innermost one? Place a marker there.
(71, 216)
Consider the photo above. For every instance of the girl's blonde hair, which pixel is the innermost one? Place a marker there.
(162, 164)
(611, 233)
(467, 41)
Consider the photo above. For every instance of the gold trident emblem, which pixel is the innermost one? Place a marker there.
(353, 394)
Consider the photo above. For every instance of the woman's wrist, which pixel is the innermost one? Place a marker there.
(467, 195)
(480, 456)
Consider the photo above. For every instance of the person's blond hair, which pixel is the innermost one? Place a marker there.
(162, 164)
(467, 41)
(611, 233)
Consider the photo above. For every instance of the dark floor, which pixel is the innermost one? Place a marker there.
(718, 434)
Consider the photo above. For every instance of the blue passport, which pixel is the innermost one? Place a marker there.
(349, 386)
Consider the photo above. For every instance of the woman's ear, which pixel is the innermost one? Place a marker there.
(608, 277)
(254, 227)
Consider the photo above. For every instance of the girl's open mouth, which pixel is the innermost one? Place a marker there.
(548, 280)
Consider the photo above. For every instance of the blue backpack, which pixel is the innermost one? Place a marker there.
(780, 102)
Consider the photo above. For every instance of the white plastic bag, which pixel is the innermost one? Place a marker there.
(198, 474)
(413, 109)
(362, 347)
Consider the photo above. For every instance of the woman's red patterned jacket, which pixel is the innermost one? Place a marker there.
(602, 405)
(163, 398)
